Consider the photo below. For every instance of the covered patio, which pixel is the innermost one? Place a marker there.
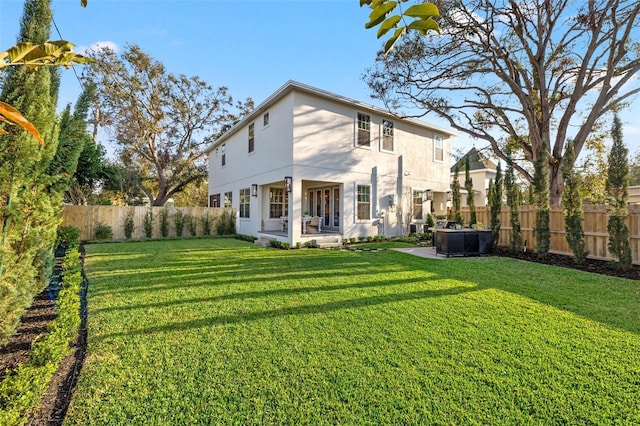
(300, 211)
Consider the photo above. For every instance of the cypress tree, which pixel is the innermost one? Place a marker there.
(29, 215)
(541, 231)
(471, 197)
(73, 137)
(495, 203)
(513, 201)
(455, 196)
(617, 189)
(572, 206)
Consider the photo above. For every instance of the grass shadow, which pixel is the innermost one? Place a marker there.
(322, 308)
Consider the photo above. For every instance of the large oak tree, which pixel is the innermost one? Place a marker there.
(161, 121)
(520, 73)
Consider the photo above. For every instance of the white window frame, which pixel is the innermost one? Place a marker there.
(278, 196)
(251, 138)
(228, 199)
(387, 131)
(358, 202)
(223, 151)
(417, 194)
(438, 140)
(363, 124)
(244, 207)
(265, 119)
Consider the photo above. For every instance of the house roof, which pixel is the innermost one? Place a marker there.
(291, 85)
(477, 161)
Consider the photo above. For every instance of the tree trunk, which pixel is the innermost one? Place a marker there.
(556, 184)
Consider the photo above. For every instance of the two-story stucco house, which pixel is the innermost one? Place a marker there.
(311, 165)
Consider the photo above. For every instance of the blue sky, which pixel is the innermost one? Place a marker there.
(251, 46)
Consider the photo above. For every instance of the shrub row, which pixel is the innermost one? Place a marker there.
(23, 388)
(364, 239)
(225, 224)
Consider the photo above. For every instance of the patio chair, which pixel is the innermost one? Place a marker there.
(313, 227)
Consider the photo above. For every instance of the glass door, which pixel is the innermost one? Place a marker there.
(318, 200)
(336, 207)
(325, 202)
(327, 208)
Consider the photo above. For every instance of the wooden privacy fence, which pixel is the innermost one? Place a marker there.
(87, 218)
(596, 236)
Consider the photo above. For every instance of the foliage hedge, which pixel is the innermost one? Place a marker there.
(22, 389)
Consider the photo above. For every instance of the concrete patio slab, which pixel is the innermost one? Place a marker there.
(426, 252)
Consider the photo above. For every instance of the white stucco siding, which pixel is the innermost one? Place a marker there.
(323, 134)
(272, 148)
(420, 168)
(324, 138)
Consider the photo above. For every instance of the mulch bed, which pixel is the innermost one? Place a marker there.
(603, 267)
(33, 323)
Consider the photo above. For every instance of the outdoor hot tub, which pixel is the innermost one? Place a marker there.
(463, 242)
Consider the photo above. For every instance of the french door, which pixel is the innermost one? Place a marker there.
(325, 202)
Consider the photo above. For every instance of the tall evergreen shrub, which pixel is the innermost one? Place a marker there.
(572, 206)
(129, 224)
(456, 196)
(495, 203)
(147, 223)
(471, 196)
(513, 201)
(541, 232)
(29, 205)
(206, 222)
(164, 222)
(192, 224)
(617, 189)
(178, 222)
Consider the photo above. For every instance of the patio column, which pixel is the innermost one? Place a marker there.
(295, 210)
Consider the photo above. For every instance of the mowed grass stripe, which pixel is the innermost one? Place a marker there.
(223, 332)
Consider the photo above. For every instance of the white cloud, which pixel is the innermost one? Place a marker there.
(631, 130)
(96, 46)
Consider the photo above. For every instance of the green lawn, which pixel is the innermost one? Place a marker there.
(223, 332)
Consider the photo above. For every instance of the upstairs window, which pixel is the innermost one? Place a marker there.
(387, 135)
(417, 204)
(438, 148)
(227, 199)
(364, 130)
(214, 200)
(245, 202)
(364, 202)
(223, 151)
(265, 119)
(251, 137)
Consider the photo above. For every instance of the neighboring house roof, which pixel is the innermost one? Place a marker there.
(477, 161)
(294, 85)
